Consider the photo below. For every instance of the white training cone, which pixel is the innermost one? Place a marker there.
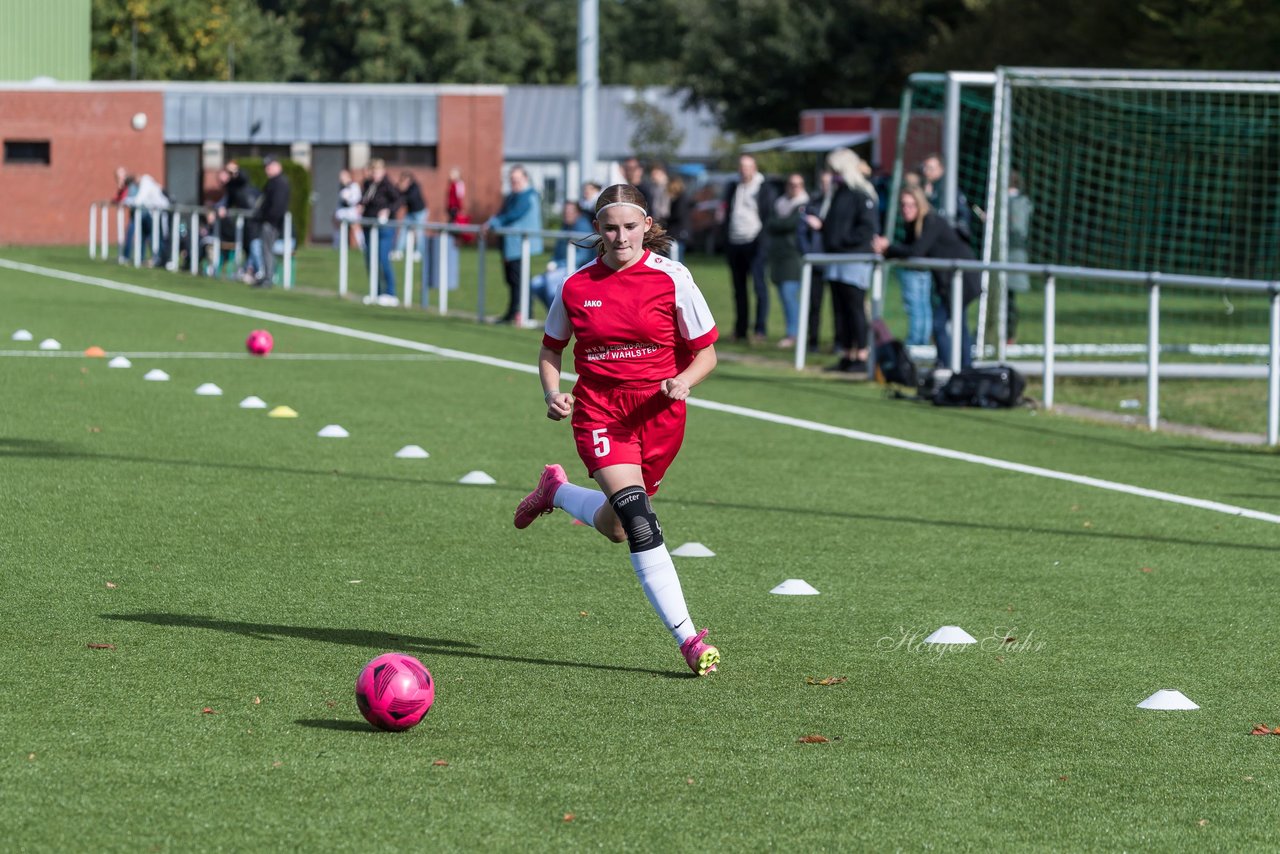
(795, 587)
(119, 362)
(50, 344)
(332, 431)
(1168, 699)
(694, 550)
(22, 335)
(476, 478)
(412, 452)
(208, 390)
(950, 634)
(156, 375)
(253, 402)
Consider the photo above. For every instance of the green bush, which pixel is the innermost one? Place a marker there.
(299, 191)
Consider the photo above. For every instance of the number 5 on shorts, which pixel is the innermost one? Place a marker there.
(601, 441)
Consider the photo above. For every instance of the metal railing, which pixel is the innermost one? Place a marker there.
(443, 234)
(173, 217)
(1051, 273)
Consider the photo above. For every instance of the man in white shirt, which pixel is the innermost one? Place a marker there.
(748, 203)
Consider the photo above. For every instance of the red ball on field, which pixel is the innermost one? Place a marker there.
(259, 342)
(394, 691)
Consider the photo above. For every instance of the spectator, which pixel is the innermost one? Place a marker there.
(633, 174)
(271, 213)
(590, 192)
(415, 213)
(785, 249)
(931, 236)
(1020, 211)
(680, 220)
(242, 200)
(659, 195)
(521, 208)
(933, 172)
(349, 195)
(817, 276)
(917, 289)
(379, 201)
(456, 199)
(147, 198)
(546, 286)
(850, 225)
(749, 201)
(122, 185)
(123, 194)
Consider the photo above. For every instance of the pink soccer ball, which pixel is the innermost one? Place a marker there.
(394, 691)
(259, 342)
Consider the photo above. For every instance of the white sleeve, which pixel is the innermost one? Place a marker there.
(557, 327)
(696, 322)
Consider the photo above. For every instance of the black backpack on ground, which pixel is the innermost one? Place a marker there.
(894, 365)
(893, 360)
(995, 387)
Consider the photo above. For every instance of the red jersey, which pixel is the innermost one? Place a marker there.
(640, 324)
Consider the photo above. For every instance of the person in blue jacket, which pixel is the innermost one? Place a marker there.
(521, 208)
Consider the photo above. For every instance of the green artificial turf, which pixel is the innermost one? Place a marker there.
(242, 565)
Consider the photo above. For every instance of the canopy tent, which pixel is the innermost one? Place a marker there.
(813, 142)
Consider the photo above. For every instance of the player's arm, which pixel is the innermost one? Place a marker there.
(704, 362)
(559, 404)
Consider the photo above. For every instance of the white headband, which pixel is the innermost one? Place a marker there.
(621, 204)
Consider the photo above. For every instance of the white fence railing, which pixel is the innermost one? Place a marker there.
(439, 242)
(165, 225)
(1153, 282)
(443, 236)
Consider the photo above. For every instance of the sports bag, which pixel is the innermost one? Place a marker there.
(894, 365)
(990, 388)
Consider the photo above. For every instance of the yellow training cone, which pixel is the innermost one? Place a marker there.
(282, 412)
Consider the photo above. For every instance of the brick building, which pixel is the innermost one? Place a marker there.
(63, 142)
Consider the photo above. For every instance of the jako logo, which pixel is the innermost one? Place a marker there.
(593, 303)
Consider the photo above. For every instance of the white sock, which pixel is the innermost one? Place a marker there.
(661, 585)
(579, 502)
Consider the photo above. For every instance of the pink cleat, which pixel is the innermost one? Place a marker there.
(539, 502)
(702, 657)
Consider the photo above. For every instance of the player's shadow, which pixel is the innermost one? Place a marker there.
(340, 726)
(380, 641)
(927, 524)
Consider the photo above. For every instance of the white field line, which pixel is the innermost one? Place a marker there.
(275, 357)
(745, 412)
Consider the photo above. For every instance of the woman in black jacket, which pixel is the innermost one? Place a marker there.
(931, 236)
(849, 224)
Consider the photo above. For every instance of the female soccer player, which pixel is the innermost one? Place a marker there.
(644, 337)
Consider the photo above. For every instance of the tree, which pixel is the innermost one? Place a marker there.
(656, 138)
(1180, 34)
(392, 41)
(192, 40)
(756, 63)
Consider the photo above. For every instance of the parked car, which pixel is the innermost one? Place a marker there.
(707, 218)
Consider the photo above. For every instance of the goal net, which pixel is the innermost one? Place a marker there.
(1175, 172)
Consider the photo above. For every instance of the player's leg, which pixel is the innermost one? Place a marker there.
(592, 428)
(629, 503)
(586, 505)
(660, 440)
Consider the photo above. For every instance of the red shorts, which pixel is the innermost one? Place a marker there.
(636, 425)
